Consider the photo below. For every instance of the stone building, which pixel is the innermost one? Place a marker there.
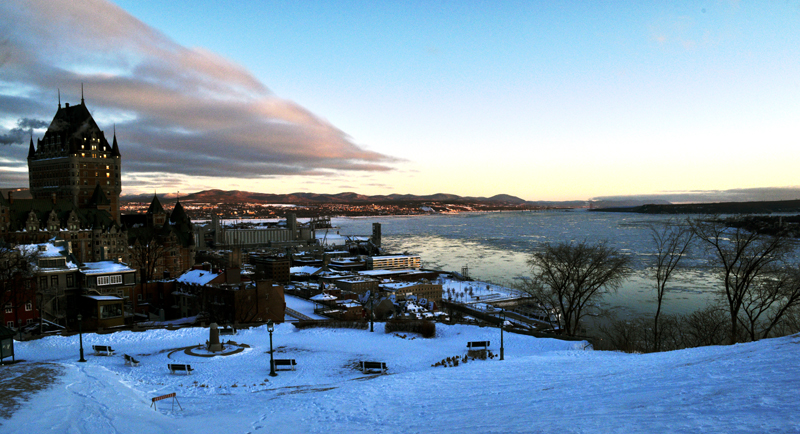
(74, 176)
(162, 243)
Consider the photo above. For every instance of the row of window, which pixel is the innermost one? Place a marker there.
(10, 307)
(54, 281)
(109, 280)
(10, 324)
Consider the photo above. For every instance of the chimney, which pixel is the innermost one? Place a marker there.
(54, 198)
(233, 276)
(10, 197)
(66, 105)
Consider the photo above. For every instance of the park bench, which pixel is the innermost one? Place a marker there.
(284, 362)
(131, 361)
(478, 345)
(174, 367)
(227, 331)
(104, 350)
(478, 349)
(373, 366)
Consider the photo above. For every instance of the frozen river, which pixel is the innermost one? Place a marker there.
(495, 247)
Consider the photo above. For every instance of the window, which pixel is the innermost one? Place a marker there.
(109, 280)
(54, 281)
(139, 297)
(111, 311)
(70, 280)
(42, 282)
(28, 306)
(29, 321)
(9, 308)
(10, 324)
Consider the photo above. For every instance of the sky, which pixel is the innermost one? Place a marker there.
(541, 100)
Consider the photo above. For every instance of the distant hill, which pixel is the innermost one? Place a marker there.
(237, 196)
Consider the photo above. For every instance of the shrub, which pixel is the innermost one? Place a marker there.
(425, 328)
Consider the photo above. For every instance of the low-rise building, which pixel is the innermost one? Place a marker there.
(358, 284)
(224, 298)
(430, 292)
(393, 262)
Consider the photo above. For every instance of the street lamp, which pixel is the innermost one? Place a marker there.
(502, 322)
(80, 333)
(270, 329)
(371, 313)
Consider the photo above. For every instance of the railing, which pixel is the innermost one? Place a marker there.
(298, 315)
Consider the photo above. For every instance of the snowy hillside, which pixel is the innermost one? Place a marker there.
(543, 386)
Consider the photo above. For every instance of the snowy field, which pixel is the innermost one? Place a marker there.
(543, 386)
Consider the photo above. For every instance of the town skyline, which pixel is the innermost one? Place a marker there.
(542, 102)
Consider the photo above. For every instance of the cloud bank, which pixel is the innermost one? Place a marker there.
(700, 196)
(178, 111)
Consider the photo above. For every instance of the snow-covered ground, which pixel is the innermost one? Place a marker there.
(543, 386)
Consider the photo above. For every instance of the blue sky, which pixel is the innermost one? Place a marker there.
(542, 100)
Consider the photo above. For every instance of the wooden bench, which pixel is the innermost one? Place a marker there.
(284, 362)
(478, 345)
(104, 350)
(373, 366)
(227, 331)
(174, 367)
(131, 361)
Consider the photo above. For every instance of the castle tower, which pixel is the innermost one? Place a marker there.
(74, 159)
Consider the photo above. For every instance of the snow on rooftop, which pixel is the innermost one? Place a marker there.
(103, 297)
(386, 272)
(395, 256)
(304, 269)
(197, 277)
(103, 267)
(398, 285)
(43, 250)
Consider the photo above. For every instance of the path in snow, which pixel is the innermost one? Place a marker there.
(543, 386)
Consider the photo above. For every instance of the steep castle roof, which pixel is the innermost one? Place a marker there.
(67, 133)
(99, 197)
(155, 206)
(178, 214)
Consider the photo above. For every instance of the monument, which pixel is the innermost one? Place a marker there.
(213, 339)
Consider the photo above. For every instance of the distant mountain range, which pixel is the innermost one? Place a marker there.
(236, 196)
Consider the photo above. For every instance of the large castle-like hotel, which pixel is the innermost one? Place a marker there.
(75, 186)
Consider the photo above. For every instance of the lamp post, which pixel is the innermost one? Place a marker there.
(270, 329)
(371, 313)
(502, 323)
(80, 334)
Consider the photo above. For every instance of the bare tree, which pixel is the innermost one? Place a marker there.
(17, 270)
(671, 241)
(147, 253)
(703, 327)
(571, 276)
(744, 259)
(769, 300)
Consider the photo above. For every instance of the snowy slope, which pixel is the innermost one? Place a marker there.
(543, 386)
